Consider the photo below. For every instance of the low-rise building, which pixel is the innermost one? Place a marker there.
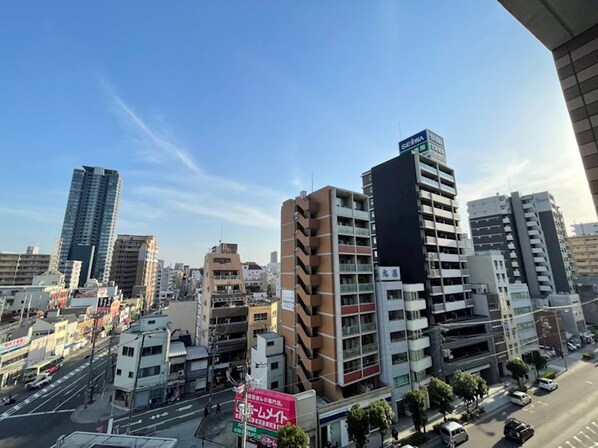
(267, 359)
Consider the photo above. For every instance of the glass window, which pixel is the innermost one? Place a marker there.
(399, 358)
(401, 380)
(396, 315)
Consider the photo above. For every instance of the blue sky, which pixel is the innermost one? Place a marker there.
(214, 112)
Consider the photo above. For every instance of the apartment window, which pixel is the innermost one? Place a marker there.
(149, 371)
(399, 358)
(396, 315)
(402, 380)
(128, 351)
(130, 374)
(176, 367)
(151, 322)
(119, 372)
(523, 310)
(260, 316)
(396, 336)
(394, 295)
(274, 385)
(149, 351)
(270, 343)
(274, 366)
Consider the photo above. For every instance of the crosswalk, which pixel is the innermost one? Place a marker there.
(585, 438)
(47, 389)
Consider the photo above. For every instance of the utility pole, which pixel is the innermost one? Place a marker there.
(132, 404)
(93, 346)
(243, 388)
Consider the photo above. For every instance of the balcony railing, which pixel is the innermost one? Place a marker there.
(368, 327)
(351, 352)
(369, 348)
(348, 267)
(349, 287)
(362, 231)
(351, 329)
(366, 287)
(364, 268)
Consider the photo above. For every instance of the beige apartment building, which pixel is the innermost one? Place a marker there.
(222, 316)
(584, 250)
(133, 269)
(327, 281)
(262, 318)
(19, 269)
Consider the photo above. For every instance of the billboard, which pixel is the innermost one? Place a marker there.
(94, 292)
(425, 142)
(13, 344)
(269, 411)
(288, 300)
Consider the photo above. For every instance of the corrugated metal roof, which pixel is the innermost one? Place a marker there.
(198, 352)
(89, 440)
(177, 348)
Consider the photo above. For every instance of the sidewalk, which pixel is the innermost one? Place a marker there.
(100, 410)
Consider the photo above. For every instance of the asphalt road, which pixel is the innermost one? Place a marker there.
(39, 417)
(566, 417)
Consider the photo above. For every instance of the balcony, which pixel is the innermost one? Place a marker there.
(347, 267)
(417, 324)
(449, 228)
(349, 287)
(368, 327)
(509, 237)
(435, 290)
(344, 211)
(365, 268)
(453, 289)
(361, 214)
(511, 246)
(456, 305)
(446, 242)
(352, 352)
(351, 329)
(362, 231)
(506, 220)
(540, 260)
(446, 273)
(453, 258)
(421, 364)
(345, 230)
(429, 225)
(419, 343)
(414, 305)
(369, 348)
(541, 269)
(366, 287)
(438, 308)
(430, 240)
(469, 303)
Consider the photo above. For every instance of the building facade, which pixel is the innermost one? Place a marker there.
(89, 227)
(328, 309)
(134, 265)
(415, 225)
(530, 231)
(268, 363)
(223, 309)
(584, 252)
(570, 31)
(19, 269)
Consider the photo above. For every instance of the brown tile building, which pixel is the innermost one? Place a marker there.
(328, 308)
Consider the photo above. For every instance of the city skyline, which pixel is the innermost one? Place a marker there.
(213, 122)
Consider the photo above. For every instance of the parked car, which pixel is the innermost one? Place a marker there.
(40, 381)
(547, 384)
(571, 346)
(520, 398)
(453, 432)
(547, 350)
(518, 430)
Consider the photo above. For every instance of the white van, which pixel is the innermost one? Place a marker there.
(520, 398)
(453, 432)
(547, 384)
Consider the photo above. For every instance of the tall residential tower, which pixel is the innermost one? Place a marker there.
(89, 227)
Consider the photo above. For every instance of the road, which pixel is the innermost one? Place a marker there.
(566, 417)
(40, 417)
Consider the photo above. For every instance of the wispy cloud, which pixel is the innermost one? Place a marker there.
(197, 191)
(47, 216)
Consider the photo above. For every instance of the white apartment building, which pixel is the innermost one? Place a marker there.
(521, 303)
(142, 366)
(402, 333)
(267, 359)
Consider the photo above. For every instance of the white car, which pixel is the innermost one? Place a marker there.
(40, 381)
(520, 398)
(571, 346)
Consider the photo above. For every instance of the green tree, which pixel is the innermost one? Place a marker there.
(415, 400)
(292, 436)
(381, 416)
(539, 360)
(518, 369)
(358, 425)
(481, 389)
(465, 386)
(441, 395)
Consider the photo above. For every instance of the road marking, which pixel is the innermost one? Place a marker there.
(577, 439)
(33, 414)
(136, 423)
(590, 429)
(588, 382)
(184, 408)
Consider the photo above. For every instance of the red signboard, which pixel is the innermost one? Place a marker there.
(269, 411)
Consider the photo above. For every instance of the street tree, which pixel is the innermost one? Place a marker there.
(536, 358)
(465, 386)
(381, 416)
(358, 425)
(481, 389)
(292, 436)
(441, 395)
(415, 400)
(518, 369)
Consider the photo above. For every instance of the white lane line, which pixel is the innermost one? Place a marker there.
(184, 408)
(577, 439)
(570, 444)
(33, 414)
(591, 430)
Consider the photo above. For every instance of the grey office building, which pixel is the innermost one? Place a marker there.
(414, 219)
(569, 29)
(89, 227)
(530, 232)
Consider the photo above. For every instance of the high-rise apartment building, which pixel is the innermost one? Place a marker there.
(89, 227)
(223, 309)
(134, 265)
(72, 272)
(328, 309)
(19, 269)
(530, 232)
(415, 225)
(274, 257)
(584, 228)
(570, 31)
